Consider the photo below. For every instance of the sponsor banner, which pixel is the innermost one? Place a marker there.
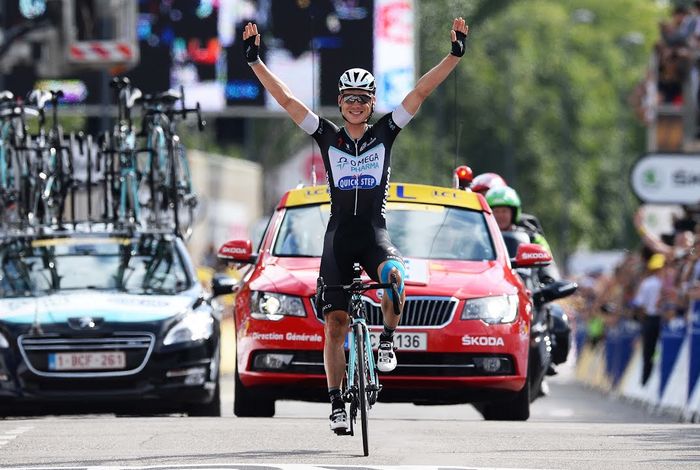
(667, 178)
(394, 56)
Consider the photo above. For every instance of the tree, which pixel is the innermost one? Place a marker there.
(541, 99)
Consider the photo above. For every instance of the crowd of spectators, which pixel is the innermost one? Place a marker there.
(656, 285)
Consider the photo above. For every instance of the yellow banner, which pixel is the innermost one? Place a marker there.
(398, 192)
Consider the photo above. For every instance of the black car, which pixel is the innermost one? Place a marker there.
(114, 321)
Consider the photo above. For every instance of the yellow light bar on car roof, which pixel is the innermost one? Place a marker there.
(79, 241)
(398, 192)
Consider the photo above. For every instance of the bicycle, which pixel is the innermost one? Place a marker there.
(168, 185)
(122, 176)
(53, 165)
(361, 388)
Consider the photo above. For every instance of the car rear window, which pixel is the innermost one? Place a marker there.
(417, 230)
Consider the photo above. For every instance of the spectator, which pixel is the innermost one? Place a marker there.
(646, 303)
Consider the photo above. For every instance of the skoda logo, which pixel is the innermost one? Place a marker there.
(84, 323)
(650, 178)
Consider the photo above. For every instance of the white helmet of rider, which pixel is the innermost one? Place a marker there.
(356, 79)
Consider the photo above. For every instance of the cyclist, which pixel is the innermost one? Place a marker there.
(506, 206)
(357, 162)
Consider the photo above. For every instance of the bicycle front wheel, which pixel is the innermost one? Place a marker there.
(362, 385)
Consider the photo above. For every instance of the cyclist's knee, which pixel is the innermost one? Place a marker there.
(336, 324)
(385, 271)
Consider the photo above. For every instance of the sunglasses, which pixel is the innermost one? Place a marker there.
(364, 99)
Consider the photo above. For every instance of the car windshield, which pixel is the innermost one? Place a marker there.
(144, 265)
(417, 230)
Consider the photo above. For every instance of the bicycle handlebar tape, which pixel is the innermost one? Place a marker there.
(386, 271)
(251, 51)
(459, 46)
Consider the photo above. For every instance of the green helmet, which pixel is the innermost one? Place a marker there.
(505, 196)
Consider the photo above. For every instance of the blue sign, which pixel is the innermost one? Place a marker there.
(694, 338)
(672, 336)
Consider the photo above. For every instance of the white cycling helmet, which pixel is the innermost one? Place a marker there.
(356, 79)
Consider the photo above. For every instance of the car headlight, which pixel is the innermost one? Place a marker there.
(194, 326)
(4, 344)
(496, 309)
(273, 306)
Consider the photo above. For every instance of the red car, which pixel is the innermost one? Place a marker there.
(464, 335)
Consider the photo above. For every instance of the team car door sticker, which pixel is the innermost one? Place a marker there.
(364, 171)
(416, 270)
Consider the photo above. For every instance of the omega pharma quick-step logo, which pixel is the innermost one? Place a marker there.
(357, 172)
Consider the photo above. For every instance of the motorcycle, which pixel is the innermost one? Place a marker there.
(550, 331)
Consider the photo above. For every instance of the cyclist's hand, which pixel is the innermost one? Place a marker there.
(459, 37)
(251, 43)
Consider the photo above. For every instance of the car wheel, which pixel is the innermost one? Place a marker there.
(213, 408)
(247, 404)
(516, 409)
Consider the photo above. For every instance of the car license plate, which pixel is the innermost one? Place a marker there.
(404, 341)
(87, 361)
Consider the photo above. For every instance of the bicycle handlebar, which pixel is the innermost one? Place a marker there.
(357, 287)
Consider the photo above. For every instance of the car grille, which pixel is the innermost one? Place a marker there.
(137, 348)
(418, 311)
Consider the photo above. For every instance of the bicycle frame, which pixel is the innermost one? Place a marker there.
(358, 325)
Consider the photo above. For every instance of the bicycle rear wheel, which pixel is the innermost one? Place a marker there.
(362, 386)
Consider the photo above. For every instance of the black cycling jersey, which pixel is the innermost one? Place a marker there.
(358, 171)
(358, 178)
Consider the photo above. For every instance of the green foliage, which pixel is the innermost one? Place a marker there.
(541, 98)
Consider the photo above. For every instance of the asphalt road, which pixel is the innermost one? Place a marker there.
(572, 428)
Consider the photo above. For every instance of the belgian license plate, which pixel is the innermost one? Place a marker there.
(87, 361)
(404, 341)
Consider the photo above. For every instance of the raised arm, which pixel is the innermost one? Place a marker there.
(435, 76)
(272, 83)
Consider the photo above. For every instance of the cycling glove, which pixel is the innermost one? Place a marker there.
(251, 50)
(458, 46)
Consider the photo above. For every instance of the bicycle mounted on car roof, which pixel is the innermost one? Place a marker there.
(42, 174)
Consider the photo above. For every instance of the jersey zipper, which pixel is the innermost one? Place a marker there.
(357, 176)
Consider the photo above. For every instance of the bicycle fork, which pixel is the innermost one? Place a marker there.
(373, 385)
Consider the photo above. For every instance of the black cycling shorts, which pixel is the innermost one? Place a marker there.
(350, 243)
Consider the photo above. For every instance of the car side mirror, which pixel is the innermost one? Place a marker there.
(554, 291)
(237, 251)
(531, 255)
(223, 285)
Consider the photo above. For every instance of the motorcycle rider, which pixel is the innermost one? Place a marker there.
(506, 206)
(357, 161)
